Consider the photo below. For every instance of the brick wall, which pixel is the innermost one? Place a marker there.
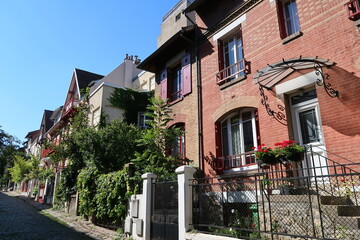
(327, 33)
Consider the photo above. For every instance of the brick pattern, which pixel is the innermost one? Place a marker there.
(327, 33)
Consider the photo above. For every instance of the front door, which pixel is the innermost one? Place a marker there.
(308, 131)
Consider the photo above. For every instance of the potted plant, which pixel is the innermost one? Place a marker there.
(265, 155)
(288, 150)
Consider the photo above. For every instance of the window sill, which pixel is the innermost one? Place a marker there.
(292, 37)
(176, 101)
(232, 82)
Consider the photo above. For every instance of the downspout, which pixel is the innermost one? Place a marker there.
(199, 98)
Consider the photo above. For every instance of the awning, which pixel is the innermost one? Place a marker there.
(269, 76)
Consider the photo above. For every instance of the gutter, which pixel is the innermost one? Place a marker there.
(199, 95)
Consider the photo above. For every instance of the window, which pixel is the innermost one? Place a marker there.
(238, 136)
(178, 146)
(231, 59)
(288, 18)
(142, 120)
(353, 9)
(96, 117)
(175, 81)
(152, 83)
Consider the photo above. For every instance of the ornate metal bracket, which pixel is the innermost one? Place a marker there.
(280, 115)
(322, 81)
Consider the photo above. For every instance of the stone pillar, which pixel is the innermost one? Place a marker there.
(148, 179)
(185, 173)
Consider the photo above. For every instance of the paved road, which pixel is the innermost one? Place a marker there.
(20, 221)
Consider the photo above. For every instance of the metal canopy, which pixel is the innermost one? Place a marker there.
(269, 76)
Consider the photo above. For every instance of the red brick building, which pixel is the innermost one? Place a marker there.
(268, 71)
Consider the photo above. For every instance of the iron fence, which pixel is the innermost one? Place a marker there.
(313, 199)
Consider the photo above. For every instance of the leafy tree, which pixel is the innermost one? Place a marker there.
(21, 169)
(9, 147)
(156, 142)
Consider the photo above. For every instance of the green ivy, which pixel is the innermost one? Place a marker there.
(131, 101)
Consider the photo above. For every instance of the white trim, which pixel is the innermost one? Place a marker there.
(105, 84)
(229, 28)
(296, 83)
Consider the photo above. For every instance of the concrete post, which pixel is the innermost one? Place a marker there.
(185, 173)
(148, 179)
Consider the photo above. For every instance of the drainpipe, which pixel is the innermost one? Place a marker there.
(199, 94)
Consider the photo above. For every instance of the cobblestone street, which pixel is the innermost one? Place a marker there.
(21, 219)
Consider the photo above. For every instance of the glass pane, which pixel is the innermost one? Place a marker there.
(246, 116)
(248, 136)
(235, 138)
(309, 126)
(291, 17)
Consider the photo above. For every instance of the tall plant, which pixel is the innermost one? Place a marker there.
(157, 140)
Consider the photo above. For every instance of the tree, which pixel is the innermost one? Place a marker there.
(9, 147)
(21, 169)
(156, 142)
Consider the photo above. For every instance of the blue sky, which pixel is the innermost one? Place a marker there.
(42, 41)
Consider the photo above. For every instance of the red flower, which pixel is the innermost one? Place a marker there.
(342, 180)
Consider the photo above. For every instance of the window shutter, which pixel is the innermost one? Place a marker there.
(186, 74)
(163, 85)
(220, 54)
(281, 19)
(218, 139)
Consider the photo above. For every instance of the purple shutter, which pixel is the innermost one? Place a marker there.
(163, 85)
(186, 74)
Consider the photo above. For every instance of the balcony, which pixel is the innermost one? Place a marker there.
(353, 10)
(232, 72)
(235, 161)
(69, 107)
(46, 152)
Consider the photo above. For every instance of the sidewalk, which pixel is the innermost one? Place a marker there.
(75, 222)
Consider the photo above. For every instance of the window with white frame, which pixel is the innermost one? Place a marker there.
(238, 137)
(96, 117)
(231, 58)
(142, 120)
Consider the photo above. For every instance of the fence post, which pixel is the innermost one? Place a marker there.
(148, 179)
(185, 173)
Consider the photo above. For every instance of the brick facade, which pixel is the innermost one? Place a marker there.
(326, 33)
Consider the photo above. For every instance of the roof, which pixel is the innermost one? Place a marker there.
(48, 122)
(84, 78)
(32, 133)
(178, 42)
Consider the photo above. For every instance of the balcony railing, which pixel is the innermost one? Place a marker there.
(235, 161)
(46, 152)
(353, 9)
(236, 70)
(176, 95)
(69, 106)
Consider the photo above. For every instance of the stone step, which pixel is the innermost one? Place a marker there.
(349, 211)
(333, 200)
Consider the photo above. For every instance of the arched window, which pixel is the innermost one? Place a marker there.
(238, 135)
(178, 146)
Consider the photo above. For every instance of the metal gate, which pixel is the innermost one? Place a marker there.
(164, 219)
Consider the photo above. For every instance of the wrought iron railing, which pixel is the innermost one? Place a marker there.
(353, 9)
(317, 198)
(176, 95)
(69, 106)
(233, 71)
(235, 161)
